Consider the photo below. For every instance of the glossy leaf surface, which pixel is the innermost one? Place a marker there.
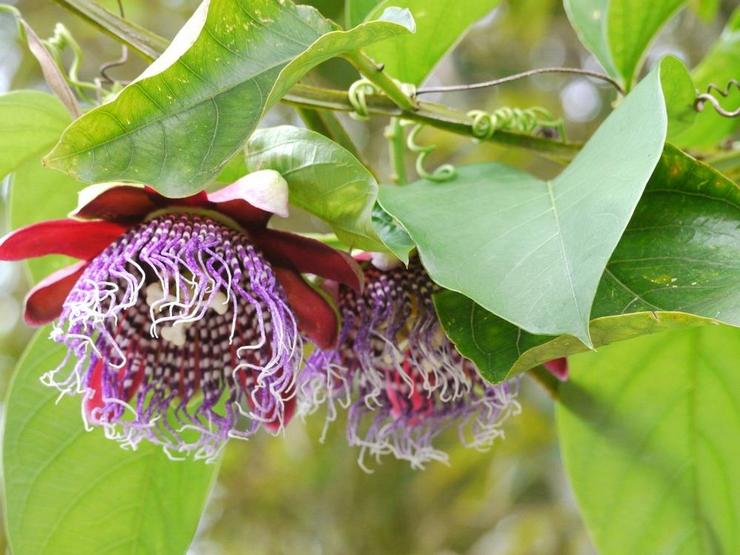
(327, 181)
(324, 179)
(678, 264)
(619, 32)
(535, 266)
(647, 431)
(440, 24)
(178, 124)
(631, 25)
(588, 19)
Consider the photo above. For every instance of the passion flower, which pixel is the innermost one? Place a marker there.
(399, 376)
(183, 322)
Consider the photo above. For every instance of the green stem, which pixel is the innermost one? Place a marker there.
(428, 113)
(397, 148)
(146, 43)
(375, 74)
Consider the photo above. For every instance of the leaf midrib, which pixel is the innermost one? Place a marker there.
(563, 251)
(159, 120)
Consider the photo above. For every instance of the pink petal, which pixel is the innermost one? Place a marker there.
(253, 199)
(316, 318)
(44, 302)
(82, 240)
(309, 256)
(558, 367)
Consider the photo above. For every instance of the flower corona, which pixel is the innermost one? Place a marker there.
(399, 376)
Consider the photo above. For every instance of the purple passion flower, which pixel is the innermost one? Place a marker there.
(398, 375)
(183, 321)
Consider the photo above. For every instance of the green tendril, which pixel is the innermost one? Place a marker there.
(362, 88)
(357, 93)
(445, 172)
(56, 44)
(520, 120)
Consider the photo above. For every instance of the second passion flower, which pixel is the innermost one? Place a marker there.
(399, 376)
(183, 321)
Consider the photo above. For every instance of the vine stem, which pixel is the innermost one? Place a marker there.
(396, 104)
(395, 135)
(428, 113)
(374, 73)
(522, 75)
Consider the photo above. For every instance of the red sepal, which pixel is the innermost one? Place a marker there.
(45, 301)
(316, 318)
(84, 240)
(558, 367)
(309, 256)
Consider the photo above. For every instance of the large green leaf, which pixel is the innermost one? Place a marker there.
(540, 247)
(649, 435)
(68, 491)
(439, 26)
(326, 180)
(719, 66)
(178, 124)
(677, 265)
(618, 32)
(30, 124)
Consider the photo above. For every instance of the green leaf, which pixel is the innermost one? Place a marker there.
(588, 18)
(631, 25)
(72, 491)
(357, 10)
(178, 124)
(618, 32)
(324, 179)
(392, 234)
(719, 66)
(439, 26)
(30, 121)
(540, 246)
(30, 124)
(677, 265)
(649, 435)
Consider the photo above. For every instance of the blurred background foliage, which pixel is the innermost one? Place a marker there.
(296, 495)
